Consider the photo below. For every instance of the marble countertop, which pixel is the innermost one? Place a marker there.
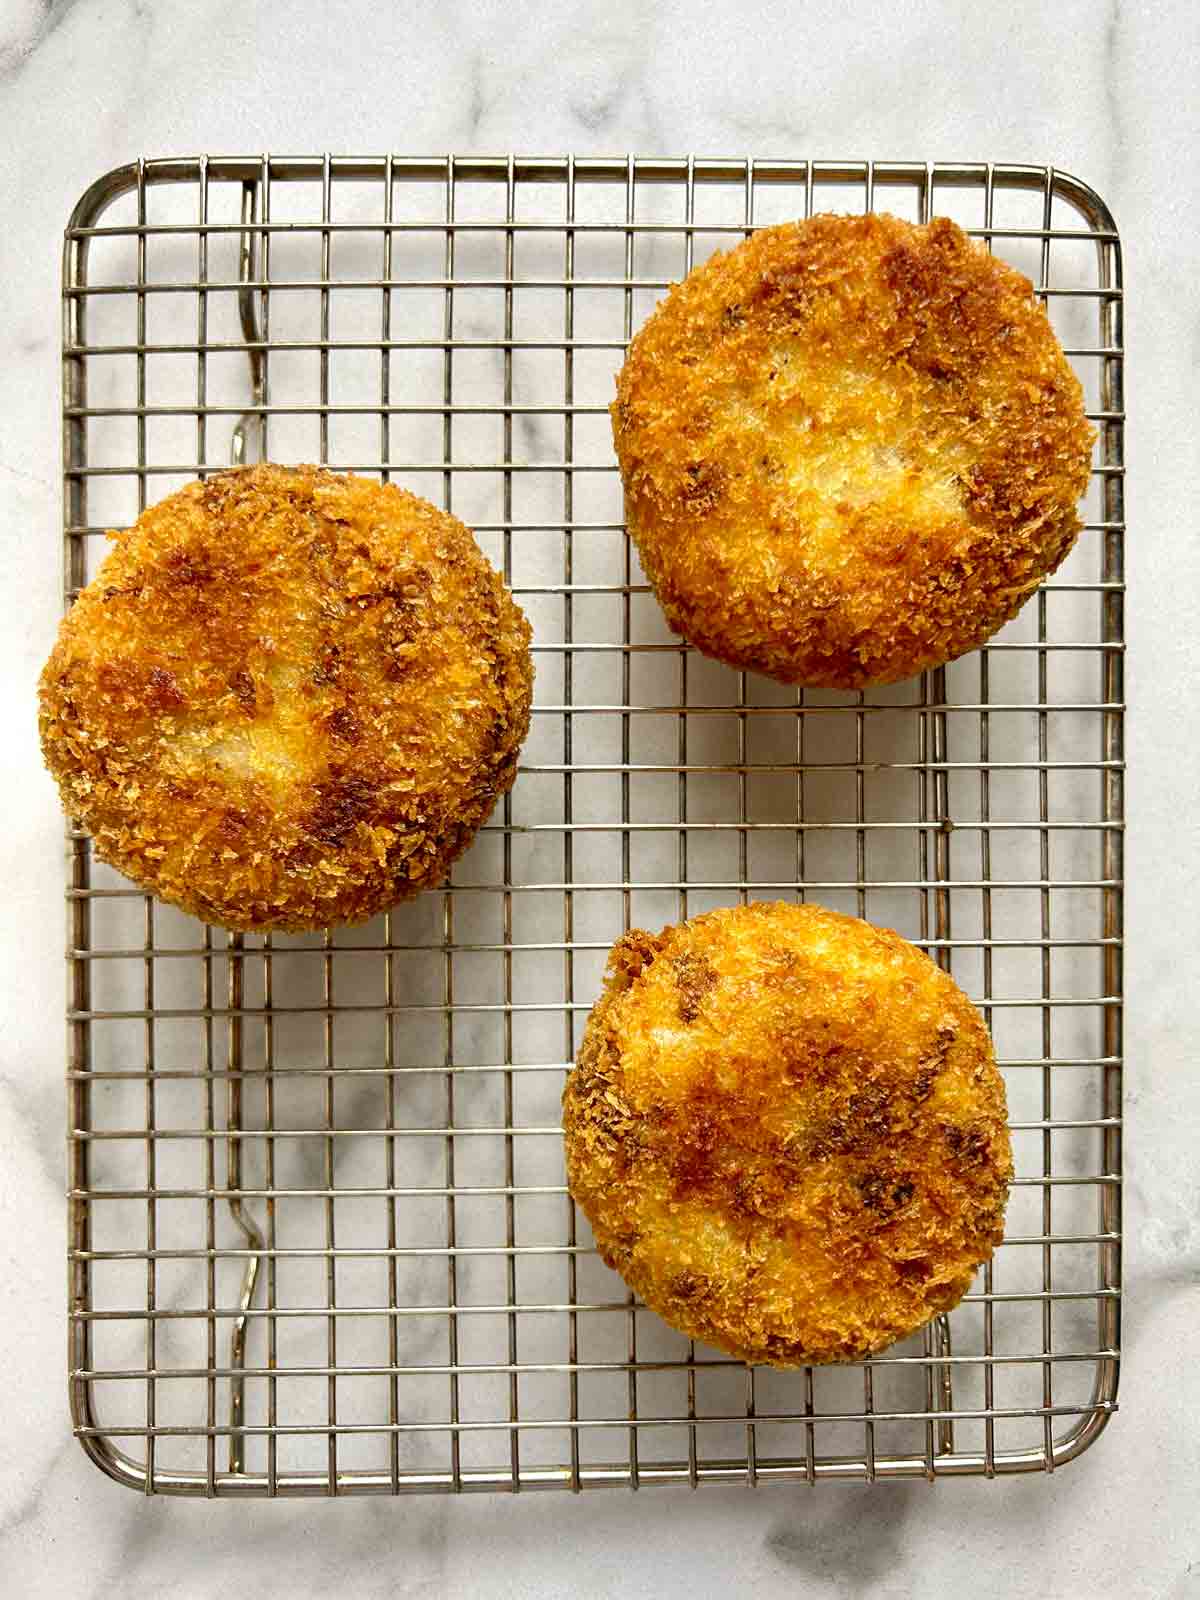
(1105, 90)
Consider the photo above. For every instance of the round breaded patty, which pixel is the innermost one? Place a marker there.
(851, 448)
(787, 1130)
(288, 698)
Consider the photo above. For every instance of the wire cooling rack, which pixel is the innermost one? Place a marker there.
(320, 1241)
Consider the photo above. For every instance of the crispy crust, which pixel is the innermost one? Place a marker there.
(851, 449)
(288, 698)
(787, 1130)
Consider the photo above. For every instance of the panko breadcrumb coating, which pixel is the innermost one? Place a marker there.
(288, 698)
(851, 448)
(787, 1130)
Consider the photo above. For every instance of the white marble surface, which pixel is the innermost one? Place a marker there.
(1104, 90)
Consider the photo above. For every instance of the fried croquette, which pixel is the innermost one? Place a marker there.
(787, 1130)
(851, 449)
(288, 698)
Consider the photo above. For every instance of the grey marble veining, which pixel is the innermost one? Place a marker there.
(1106, 90)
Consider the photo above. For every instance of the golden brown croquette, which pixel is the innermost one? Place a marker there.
(851, 448)
(787, 1130)
(288, 698)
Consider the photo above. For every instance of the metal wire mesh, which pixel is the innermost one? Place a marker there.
(319, 1235)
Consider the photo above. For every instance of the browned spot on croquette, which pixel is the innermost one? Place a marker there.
(694, 978)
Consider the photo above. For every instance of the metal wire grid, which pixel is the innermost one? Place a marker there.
(319, 1237)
